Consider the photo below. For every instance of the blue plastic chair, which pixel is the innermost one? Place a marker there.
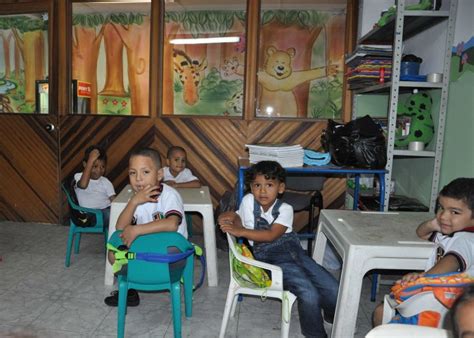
(80, 216)
(148, 275)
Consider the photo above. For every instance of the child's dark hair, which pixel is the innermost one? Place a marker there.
(270, 169)
(102, 154)
(466, 297)
(460, 189)
(172, 149)
(148, 152)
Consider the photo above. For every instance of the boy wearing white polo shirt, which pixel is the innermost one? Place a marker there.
(155, 207)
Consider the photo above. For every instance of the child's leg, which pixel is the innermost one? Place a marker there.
(111, 257)
(324, 282)
(377, 316)
(310, 299)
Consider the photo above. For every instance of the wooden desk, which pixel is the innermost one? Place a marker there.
(367, 241)
(195, 200)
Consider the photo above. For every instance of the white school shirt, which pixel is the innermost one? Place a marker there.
(96, 195)
(248, 220)
(183, 177)
(461, 245)
(169, 203)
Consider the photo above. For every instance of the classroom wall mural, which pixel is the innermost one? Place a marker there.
(462, 59)
(23, 60)
(111, 57)
(300, 64)
(204, 78)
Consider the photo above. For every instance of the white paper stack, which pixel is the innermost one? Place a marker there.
(286, 155)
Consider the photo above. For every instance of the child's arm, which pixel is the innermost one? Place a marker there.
(190, 184)
(130, 232)
(86, 175)
(230, 222)
(126, 216)
(448, 263)
(426, 229)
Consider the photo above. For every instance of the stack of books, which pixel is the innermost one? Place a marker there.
(365, 51)
(286, 155)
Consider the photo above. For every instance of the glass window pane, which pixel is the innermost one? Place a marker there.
(204, 58)
(301, 59)
(111, 58)
(23, 63)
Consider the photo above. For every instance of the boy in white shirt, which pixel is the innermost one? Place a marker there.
(176, 174)
(92, 188)
(155, 207)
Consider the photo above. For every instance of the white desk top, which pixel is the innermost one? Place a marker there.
(378, 228)
(190, 196)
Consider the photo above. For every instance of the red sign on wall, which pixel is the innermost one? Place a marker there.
(84, 89)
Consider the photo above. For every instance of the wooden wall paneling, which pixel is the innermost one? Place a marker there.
(29, 169)
(212, 145)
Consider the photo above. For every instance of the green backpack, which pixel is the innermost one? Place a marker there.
(249, 275)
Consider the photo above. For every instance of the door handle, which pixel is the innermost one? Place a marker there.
(49, 127)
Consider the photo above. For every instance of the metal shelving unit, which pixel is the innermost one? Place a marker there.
(406, 24)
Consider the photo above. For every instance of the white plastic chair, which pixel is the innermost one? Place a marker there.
(424, 301)
(407, 331)
(275, 290)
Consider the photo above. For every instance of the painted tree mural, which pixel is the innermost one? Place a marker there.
(88, 30)
(114, 63)
(28, 33)
(134, 32)
(291, 29)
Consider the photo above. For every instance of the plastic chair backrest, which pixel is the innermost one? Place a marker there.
(305, 183)
(81, 216)
(152, 273)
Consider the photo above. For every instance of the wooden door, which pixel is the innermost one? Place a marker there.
(29, 140)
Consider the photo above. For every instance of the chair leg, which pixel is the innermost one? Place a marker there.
(77, 242)
(189, 223)
(286, 306)
(176, 308)
(311, 230)
(374, 286)
(122, 309)
(229, 306)
(70, 239)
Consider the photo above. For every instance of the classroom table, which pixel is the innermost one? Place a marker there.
(367, 241)
(194, 200)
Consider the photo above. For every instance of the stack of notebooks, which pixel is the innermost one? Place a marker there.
(286, 155)
(370, 64)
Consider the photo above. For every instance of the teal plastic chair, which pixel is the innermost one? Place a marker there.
(145, 273)
(82, 220)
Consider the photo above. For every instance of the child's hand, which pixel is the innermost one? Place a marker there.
(226, 218)
(171, 183)
(410, 277)
(93, 155)
(160, 176)
(434, 225)
(148, 194)
(229, 222)
(129, 234)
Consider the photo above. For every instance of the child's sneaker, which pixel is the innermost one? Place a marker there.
(132, 298)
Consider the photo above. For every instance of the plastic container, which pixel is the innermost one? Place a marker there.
(410, 68)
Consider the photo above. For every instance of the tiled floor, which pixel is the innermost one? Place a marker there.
(39, 297)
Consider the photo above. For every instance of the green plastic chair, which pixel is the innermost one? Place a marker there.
(149, 275)
(82, 220)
